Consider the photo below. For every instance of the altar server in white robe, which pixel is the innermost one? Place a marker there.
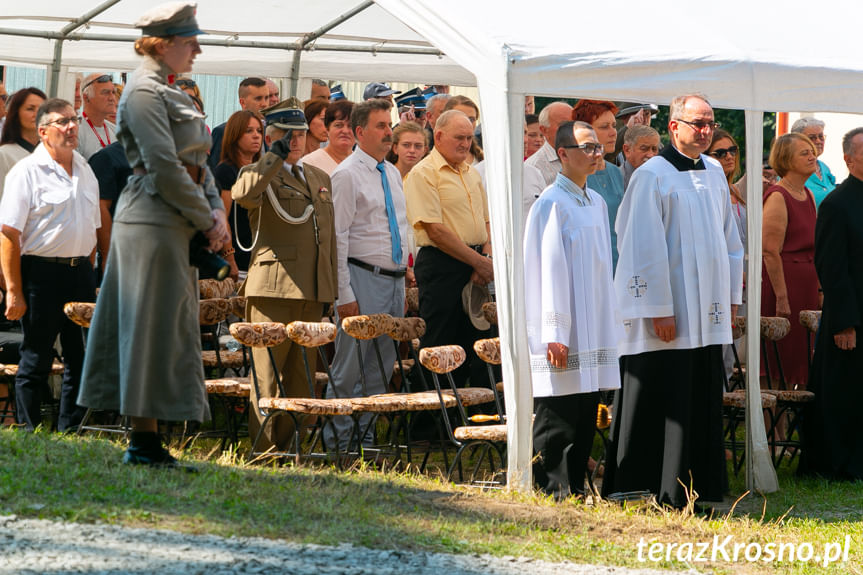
(570, 310)
(678, 284)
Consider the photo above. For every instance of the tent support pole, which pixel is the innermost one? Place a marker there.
(314, 35)
(58, 45)
(54, 78)
(760, 473)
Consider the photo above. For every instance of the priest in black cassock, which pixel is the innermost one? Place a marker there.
(679, 280)
(833, 435)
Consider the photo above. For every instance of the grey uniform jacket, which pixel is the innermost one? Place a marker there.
(143, 353)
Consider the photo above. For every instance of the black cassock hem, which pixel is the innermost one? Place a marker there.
(667, 425)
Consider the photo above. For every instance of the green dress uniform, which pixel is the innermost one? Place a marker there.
(292, 274)
(144, 348)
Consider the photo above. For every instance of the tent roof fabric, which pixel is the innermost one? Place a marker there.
(372, 32)
(748, 55)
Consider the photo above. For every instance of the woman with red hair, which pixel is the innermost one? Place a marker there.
(607, 181)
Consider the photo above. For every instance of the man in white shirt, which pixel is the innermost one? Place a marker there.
(371, 235)
(570, 310)
(532, 185)
(678, 283)
(545, 159)
(49, 216)
(100, 101)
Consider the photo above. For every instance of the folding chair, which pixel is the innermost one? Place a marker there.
(790, 403)
(230, 394)
(734, 403)
(213, 312)
(412, 300)
(811, 320)
(210, 288)
(390, 406)
(81, 314)
(738, 376)
(299, 409)
(443, 360)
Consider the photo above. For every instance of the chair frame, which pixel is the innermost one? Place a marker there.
(297, 416)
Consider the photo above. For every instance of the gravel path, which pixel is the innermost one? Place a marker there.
(33, 546)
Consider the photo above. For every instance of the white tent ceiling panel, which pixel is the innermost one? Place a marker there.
(262, 21)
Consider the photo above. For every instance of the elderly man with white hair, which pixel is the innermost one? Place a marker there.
(640, 143)
(448, 209)
(100, 101)
(545, 159)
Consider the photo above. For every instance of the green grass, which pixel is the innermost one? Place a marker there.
(80, 479)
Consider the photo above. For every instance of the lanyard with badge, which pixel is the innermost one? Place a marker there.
(107, 134)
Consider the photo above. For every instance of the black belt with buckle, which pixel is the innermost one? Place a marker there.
(71, 262)
(377, 269)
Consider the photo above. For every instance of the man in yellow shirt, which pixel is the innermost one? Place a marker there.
(448, 211)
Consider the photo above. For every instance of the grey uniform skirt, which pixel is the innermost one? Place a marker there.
(143, 354)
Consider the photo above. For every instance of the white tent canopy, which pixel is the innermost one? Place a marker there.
(245, 37)
(746, 55)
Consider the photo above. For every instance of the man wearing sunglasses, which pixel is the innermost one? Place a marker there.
(49, 215)
(100, 101)
(570, 310)
(678, 283)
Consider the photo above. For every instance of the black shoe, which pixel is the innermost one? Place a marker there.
(152, 458)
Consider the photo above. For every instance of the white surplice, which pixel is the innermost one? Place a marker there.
(569, 292)
(680, 255)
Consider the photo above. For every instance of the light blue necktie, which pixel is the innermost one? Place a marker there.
(395, 236)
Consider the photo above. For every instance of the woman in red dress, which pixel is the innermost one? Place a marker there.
(789, 281)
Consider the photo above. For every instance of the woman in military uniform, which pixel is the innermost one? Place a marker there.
(143, 355)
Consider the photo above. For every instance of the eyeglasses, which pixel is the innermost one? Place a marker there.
(700, 126)
(589, 148)
(186, 83)
(722, 152)
(63, 122)
(816, 136)
(98, 80)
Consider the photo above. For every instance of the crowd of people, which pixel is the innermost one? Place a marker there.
(634, 255)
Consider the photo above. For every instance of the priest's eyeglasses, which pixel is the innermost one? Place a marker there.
(722, 152)
(589, 148)
(701, 126)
